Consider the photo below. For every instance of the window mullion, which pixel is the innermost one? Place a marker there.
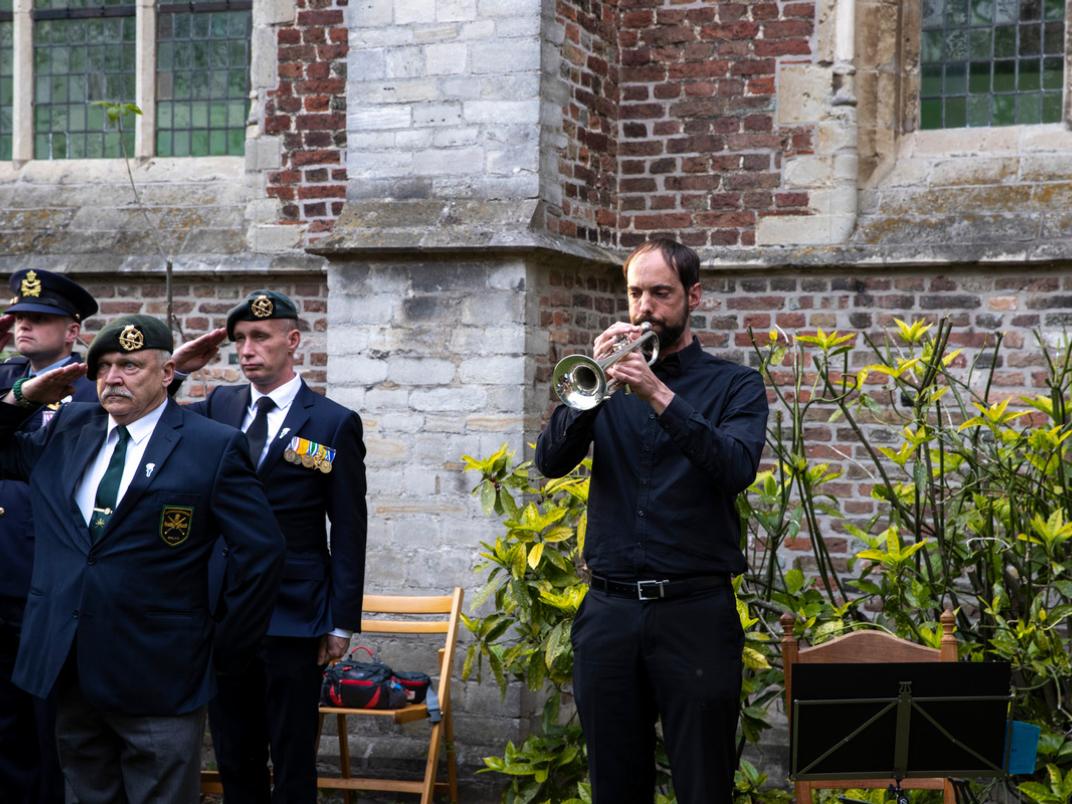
(22, 143)
(145, 83)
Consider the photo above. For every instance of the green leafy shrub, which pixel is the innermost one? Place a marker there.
(974, 513)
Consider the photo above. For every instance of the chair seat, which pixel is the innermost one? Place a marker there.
(407, 714)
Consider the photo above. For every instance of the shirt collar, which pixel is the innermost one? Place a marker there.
(282, 396)
(59, 363)
(141, 428)
(676, 362)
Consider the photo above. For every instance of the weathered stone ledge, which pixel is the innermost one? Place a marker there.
(222, 266)
(413, 228)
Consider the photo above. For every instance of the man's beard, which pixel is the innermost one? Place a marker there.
(669, 332)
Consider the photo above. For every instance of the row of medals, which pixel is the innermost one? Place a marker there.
(310, 455)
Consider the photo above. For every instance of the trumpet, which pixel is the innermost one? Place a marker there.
(581, 382)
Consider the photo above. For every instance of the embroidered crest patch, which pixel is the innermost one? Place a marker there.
(175, 523)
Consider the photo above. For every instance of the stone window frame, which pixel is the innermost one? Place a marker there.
(22, 145)
(907, 101)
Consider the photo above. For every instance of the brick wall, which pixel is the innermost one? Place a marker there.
(307, 110)
(669, 122)
(587, 169)
(201, 303)
(701, 156)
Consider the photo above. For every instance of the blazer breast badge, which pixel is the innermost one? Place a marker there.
(175, 524)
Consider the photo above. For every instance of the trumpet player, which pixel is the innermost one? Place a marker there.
(658, 636)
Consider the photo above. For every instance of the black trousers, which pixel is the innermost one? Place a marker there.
(678, 660)
(272, 706)
(29, 767)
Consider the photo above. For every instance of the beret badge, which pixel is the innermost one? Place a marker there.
(262, 306)
(131, 338)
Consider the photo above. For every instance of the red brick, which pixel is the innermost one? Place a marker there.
(332, 17)
(322, 191)
(321, 157)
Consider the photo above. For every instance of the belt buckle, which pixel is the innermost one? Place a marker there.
(643, 587)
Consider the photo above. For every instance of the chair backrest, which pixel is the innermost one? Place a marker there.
(861, 646)
(415, 607)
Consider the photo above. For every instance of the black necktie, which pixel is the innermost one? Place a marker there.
(108, 488)
(257, 433)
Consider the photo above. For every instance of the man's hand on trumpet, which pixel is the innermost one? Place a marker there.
(632, 369)
(610, 339)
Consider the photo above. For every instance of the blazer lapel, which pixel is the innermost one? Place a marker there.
(295, 419)
(232, 408)
(162, 442)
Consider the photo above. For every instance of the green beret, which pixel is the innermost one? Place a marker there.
(126, 334)
(260, 305)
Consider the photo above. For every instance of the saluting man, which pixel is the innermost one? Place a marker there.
(311, 460)
(129, 498)
(44, 321)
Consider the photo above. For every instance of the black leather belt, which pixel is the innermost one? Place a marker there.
(659, 590)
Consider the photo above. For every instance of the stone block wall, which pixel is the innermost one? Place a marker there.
(444, 98)
(433, 353)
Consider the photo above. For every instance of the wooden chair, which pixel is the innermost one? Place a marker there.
(415, 621)
(863, 646)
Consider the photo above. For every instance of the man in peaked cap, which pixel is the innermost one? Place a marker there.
(44, 320)
(310, 457)
(129, 498)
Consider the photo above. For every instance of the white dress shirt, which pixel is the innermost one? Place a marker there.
(140, 431)
(283, 396)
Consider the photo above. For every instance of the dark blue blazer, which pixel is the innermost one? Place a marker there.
(137, 599)
(320, 590)
(16, 524)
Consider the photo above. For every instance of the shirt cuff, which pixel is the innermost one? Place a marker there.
(342, 632)
(180, 375)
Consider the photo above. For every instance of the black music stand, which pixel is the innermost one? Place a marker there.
(899, 721)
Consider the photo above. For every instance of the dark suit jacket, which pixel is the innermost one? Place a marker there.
(16, 524)
(137, 599)
(319, 590)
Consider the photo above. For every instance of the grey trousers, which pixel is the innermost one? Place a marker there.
(110, 758)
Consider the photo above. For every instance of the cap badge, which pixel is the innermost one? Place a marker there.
(261, 306)
(31, 285)
(131, 338)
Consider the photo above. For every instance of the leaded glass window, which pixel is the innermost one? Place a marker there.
(202, 79)
(83, 52)
(6, 82)
(991, 62)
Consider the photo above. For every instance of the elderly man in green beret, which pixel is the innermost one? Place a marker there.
(129, 497)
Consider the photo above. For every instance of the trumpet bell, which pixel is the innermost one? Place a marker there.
(579, 382)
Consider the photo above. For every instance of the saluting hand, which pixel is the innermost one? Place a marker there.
(196, 354)
(331, 648)
(7, 321)
(52, 386)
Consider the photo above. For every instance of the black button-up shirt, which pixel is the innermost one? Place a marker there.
(661, 500)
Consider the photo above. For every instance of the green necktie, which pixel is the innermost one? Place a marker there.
(108, 490)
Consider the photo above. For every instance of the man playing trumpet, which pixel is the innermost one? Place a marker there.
(658, 635)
